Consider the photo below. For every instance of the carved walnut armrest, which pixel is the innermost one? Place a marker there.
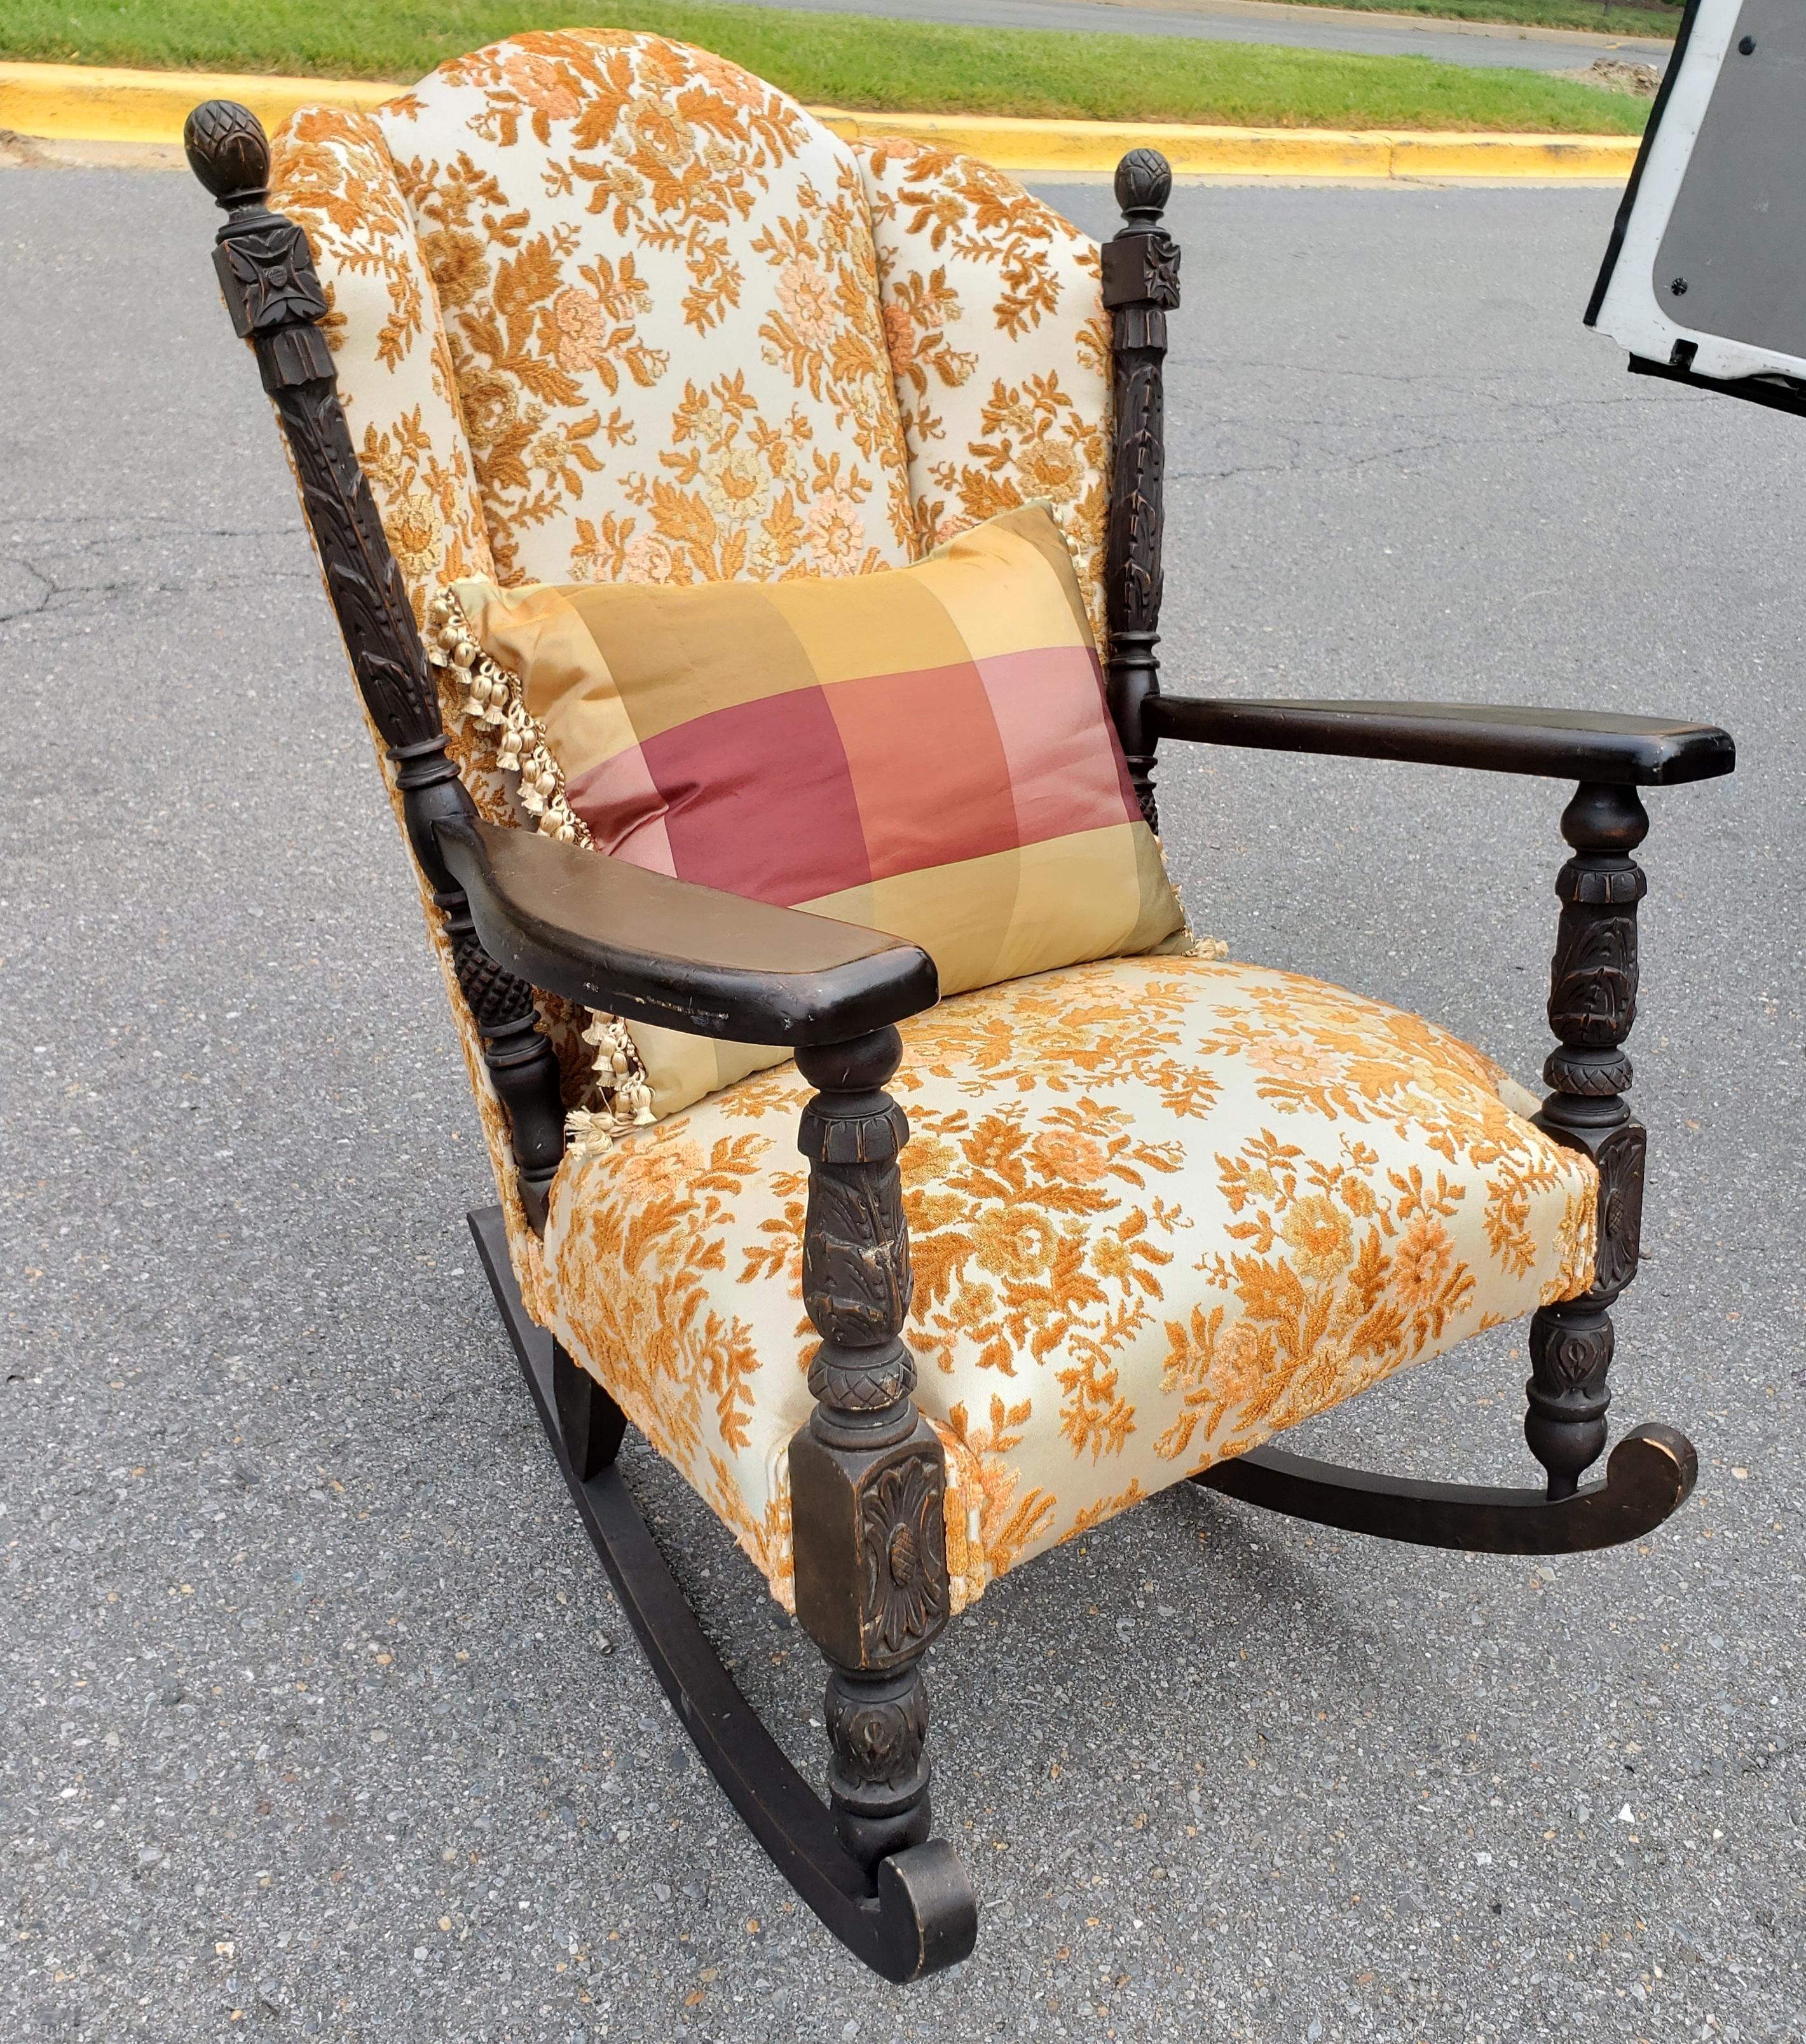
(612, 935)
(1571, 744)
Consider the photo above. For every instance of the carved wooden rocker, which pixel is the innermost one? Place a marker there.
(1164, 1206)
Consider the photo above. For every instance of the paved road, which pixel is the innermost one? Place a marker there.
(307, 1710)
(1255, 22)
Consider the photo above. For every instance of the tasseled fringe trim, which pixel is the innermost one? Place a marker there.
(620, 1078)
(492, 700)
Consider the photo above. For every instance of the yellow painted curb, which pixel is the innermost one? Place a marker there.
(1537, 157)
(73, 102)
(1097, 145)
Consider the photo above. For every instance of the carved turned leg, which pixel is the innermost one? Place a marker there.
(1141, 284)
(1592, 1002)
(867, 1477)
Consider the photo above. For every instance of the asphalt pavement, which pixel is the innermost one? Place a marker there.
(1346, 29)
(316, 1718)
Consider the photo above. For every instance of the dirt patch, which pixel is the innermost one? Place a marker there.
(1641, 81)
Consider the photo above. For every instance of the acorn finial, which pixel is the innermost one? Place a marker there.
(1144, 183)
(229, 152)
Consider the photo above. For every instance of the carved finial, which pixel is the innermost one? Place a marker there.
(229, 152)
(1144, 183)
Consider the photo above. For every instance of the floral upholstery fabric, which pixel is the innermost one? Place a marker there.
(331, 170)
(607, 308)
(926, 752)
(658, 286)
(603, 308)
(1000, 345)
(1160, 1208)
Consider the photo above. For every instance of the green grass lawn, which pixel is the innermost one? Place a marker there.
(842, 59)
(1620, 18)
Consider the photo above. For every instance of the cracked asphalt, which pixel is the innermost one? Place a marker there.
(318, 1720)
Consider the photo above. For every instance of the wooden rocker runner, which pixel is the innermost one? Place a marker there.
(602, 311)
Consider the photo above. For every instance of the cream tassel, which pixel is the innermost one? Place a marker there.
(491, 699)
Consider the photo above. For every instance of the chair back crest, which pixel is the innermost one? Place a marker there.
(659, 296)
(608, 307)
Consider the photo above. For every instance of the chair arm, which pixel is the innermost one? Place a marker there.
(1571, 744)
(653, 949)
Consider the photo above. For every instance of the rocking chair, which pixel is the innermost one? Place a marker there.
(1164, 1207)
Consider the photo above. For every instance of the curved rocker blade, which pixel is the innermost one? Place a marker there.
(1650, 1475)
(925, 1916)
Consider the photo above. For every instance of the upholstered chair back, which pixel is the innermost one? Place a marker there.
(605, 307)
(659, 288)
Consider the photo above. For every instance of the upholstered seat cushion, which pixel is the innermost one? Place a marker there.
(1160, 1208)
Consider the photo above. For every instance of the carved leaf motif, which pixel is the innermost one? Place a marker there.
(361, 575)
(1592, 994)
(856, 1274)
(1136, 519)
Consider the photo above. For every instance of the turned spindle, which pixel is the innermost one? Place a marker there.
(1141, 284)
(1592, 1002)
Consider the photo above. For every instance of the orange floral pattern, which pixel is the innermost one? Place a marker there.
(331, 172)
(1160, 1209)
(605, 307)
(660, 296)
(613, 305)
(1000, 345)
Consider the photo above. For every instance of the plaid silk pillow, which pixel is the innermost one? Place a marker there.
(925, 752)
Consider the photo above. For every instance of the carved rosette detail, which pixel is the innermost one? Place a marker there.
(1620, 1160)
(903, 1539)
(267, 269)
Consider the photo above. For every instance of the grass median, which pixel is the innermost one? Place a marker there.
(1619, 17)
(848, 61)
